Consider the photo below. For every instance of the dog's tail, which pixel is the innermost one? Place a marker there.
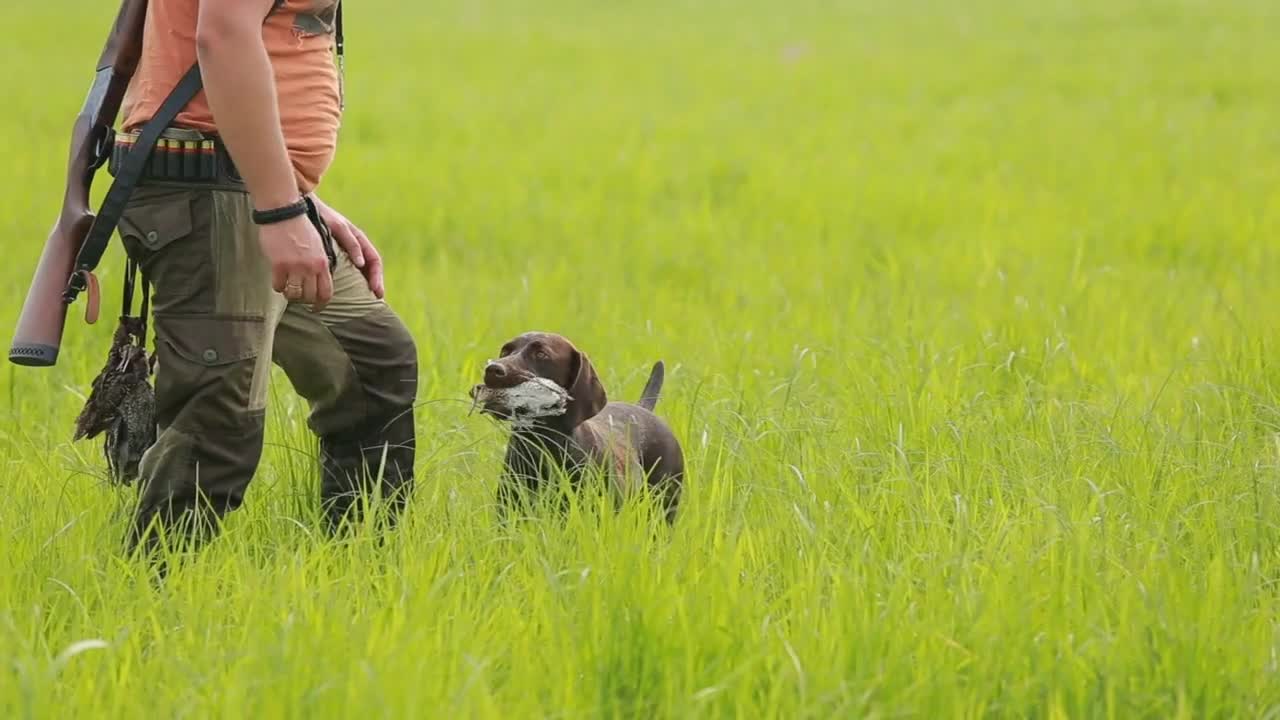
(649, 397)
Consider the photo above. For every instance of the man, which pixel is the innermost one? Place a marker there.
(241, 275)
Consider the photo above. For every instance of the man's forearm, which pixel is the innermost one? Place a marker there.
(240, 87)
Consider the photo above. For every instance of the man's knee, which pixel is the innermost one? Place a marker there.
(192, 479)
(385, 358)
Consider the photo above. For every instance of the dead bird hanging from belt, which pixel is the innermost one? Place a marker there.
(122, 404)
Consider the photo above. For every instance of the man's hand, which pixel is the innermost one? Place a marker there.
(299, 266)
(356, 244)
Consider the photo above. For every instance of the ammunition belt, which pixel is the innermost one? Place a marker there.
(181, 156)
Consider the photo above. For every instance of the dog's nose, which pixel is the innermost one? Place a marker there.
(494, 372)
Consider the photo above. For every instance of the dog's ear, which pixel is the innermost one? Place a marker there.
(588, 395)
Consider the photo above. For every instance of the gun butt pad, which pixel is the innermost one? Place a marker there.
(33, 355)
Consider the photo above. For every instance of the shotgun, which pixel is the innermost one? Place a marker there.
(38, 336)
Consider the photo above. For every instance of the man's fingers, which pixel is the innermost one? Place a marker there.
(376, 281)
(348, 236)
(279, 276)
(363, 245)
(324, 288)
(370, 252)
(308, 289)
(373, 270)
(293, 288)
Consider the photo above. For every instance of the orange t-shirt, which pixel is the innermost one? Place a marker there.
(299, 38)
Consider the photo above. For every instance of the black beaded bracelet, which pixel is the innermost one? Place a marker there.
(280, 214)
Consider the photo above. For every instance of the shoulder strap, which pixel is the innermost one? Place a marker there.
(122, 185)
(126, 178)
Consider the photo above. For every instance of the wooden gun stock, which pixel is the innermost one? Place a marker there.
(38, 336)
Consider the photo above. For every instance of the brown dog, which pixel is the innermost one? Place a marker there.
(562, 420)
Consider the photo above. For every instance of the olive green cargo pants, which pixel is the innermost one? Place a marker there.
(219, 327)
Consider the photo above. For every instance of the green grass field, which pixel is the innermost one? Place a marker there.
(968, 311)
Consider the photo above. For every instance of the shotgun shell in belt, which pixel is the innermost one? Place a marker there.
(207, 171)
(190, 164)
(157, 159)
(173, 159)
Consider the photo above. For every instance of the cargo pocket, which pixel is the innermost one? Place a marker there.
(162, 232)
(151, 223)
(206, 364)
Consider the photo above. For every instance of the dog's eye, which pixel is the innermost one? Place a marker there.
(541, 354)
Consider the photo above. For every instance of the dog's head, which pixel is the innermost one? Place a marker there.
(552, 358)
